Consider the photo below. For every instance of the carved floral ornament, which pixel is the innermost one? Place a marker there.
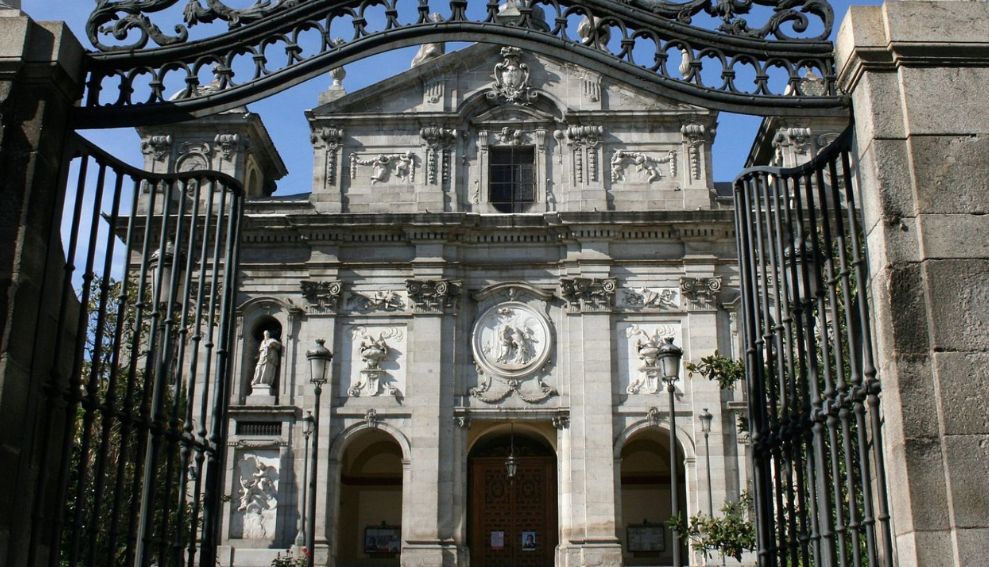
(647, 345)
(511, 343)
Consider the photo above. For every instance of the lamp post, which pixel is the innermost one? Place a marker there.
(706, 419)
(511, 467)
(669, 363)
(319, 363)
(307, 429)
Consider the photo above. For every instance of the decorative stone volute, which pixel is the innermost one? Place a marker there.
(321, 296)
(695, 136)
(701, 293)
(433, 295)
(589, 294)
(157, 146)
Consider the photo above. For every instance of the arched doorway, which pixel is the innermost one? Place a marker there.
(512, 521)
(369, 521)
(646, 498)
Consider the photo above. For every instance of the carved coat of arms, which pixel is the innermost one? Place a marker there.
(512, 78)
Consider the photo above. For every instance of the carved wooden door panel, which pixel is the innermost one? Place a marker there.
(513, 522)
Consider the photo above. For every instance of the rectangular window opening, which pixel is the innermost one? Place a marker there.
(511, 174)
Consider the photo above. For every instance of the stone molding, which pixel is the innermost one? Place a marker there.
(321, 296)
(589, 294)
(701, 293)
(433, 296)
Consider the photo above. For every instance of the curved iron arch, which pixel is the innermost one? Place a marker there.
(542, 26)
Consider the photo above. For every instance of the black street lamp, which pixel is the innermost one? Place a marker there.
(307, 429)
(319, 363)
(706, 419)
(669, 364)
(511, 466)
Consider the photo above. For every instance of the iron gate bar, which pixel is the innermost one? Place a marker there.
(730, 52)
(124, 404)
(819, 476)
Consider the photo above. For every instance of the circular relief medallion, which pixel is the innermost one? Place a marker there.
(511, 340)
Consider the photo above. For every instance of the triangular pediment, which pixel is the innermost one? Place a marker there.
(513, 113)
(449, 82)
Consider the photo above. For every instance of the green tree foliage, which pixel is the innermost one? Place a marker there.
(729, 535)
(725, 371)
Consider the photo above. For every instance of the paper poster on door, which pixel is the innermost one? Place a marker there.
(497, 540)
(528, 541)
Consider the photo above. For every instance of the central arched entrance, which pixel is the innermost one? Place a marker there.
(512, 521)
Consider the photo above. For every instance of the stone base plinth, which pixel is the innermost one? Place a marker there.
(261, 396)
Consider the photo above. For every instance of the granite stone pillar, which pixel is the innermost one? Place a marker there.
(917, 73)
(40, 79)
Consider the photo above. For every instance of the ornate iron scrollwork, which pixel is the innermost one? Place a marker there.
(743, 65)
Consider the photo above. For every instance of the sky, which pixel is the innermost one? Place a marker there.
(283, 113)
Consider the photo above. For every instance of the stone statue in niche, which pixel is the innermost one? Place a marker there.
(258, 498)
(269, 353)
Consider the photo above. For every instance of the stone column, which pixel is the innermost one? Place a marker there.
(40, 79)
(917, 73)
(591, 532)
(429, 535)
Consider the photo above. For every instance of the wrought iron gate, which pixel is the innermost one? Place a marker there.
(819, 476)
(138, 398)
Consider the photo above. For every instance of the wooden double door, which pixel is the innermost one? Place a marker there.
(513, 521)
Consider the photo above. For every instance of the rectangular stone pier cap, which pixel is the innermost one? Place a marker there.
(917, 73)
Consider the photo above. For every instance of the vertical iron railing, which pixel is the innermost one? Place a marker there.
(137, 398)
(819, 478)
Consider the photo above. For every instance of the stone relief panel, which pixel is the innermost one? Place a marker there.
(649, 298)
(647, 167)
(255, 503)
(511, 344)
(384, 166)
(638, 345)
(374, 361)
(379, 300)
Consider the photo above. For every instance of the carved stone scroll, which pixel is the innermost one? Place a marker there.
(433, 295)
(438, 142)
(701, 292)
(588, 294)
(585, 140)
(321, 297)
(694, 136)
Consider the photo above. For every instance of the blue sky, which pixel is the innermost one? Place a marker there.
(283, 113)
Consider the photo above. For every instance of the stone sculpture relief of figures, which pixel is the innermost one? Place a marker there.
(382, 165)
(257, 498)
(657, 298)
(514, 345)
(649, 166)
(379, 300)
(269, 353)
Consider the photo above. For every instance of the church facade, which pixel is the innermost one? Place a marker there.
(495, 247)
